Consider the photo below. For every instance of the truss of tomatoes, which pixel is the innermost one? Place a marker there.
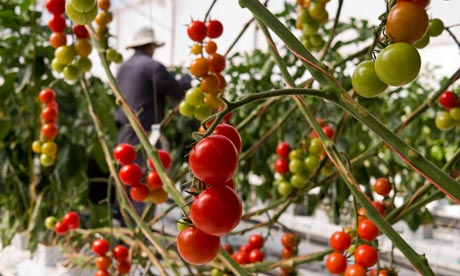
(450, 116)
(290, 243)
(104, 260)
(311, 15)
(216, 208)
(70, 221)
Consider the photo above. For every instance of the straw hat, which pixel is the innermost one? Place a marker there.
(144, 36)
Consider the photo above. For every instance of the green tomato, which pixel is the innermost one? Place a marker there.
(57, 66)
(435, 27)
(295, 154)
(310, 28)
(443, 121)
(422, 42)
(186, 109)
(311, 163)
(316, 146)
(80, 18)
(50, 222)
(46, 160)
(317, 41)
(118, 58)
(194, 96)
(296, 166)
(454, 113)
(304, 17)
(64, 54)
(84, 64)
(71, 72)
(437, 152)
(182, 224)
(216, 272)
(365, 80)
(49, 148)
(111, 54)
(82, 5)
(299, 180)
(202, 112)
(317, 11)
(398, 64)
(285, 188)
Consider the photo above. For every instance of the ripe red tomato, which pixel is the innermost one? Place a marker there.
(55, 6)
(447, 99)
(367, 230)
(47, 95)
(382, 186)
(123, 267)
(287, 253)
(241, 257)
(289, 240)
(100, 246)
(56, 23)
(231, 133)
(165, 159)
(124, 154)
(379, 206)
(256, 255)
(336, 263)
(49, 114)
(130, 174)
(196, 30)
(245, 248)
(366, 255)
(228, 248)
(72, 220)
(103, 262)
(61, 228)
(139, 193)
(120, 253)
(216, 210)
(216, 63)
(355, 270)
(49, 131)
(406, 22)
(283, 149)
(154, 180)
(102, 272)
(256, 241)
(80, 31)
(190, 239)
(214, 159)
(214, 28)
(281, 166)
(340, 240)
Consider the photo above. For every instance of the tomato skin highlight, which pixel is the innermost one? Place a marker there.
(197, 247)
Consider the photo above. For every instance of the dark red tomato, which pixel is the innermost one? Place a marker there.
(256, 256)
(216, 210)
(80, 31)
(447, 99)
(165, 159)
(289, 240)
(124, 153)
(256, 241)
(228, 248)
(355, 270)
(196, 30)
(216, 63)
(49, 114)
(56, 23)
(214, 28)
(366, 255)
(123, 267)
(336, 263)
(49, 131)
(55, 6)
(367, 230)
(130, 174)
(102, 272)
(139, 193)
(422, 3)
(190, 239)
(154, 180)
(245, 248)
(100, 246)
(379, 206)
(120, 253)
(329, 131)
(281, 166)
(340, 240)
(103, 262)
(382, 186)
(287, 253)
(72, 220)
(241, 257)
(47, 95)
(61, 228)
(230, 183)
(283, 149)
(214, 159)
(231, 133)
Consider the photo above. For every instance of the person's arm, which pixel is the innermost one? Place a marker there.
(167, 83)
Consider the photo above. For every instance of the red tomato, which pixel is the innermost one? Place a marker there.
(340, 240)
(228, 248)
(216, 210)
(355, 270)
(130, 174)
(165, 159)
(55, 6)
(72, 220)
(256, 256)
(447, 99)
(382, 186)
(56, 23)
(230, 183)
(283, 149)
(287, 253)
(154, 180)
(196, 30)
(245, 248)
(61, 228)
(241, 257)
(289, 240)
(47, 95)
(214, 28)
(139, 193)
(231, 133)
(379, 206)
(120, 253)
(124, 154)
(336, 263)
(49, 131)
(49, 114)
(190, 239)
(102, 272)
(281, 166)
(214, 159)
(366, 255)
(103, 262)
(58, 39)
(256, 241)
(216, 63)
(80, 31)
(367, 230)
(100, 246)
(123, 267)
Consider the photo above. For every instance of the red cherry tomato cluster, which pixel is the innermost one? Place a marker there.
(207, 67)
(290, 244)
(216, 208)
(130, 174)
(297, 165)
(103, 262)
(70, 221)
(46, 146)
(450, 117)
(311, 15)
(251, 252)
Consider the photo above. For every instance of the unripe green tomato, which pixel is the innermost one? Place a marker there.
(310, 28)
(454, 113)
(182, 224)
(118, 58)
(71, 72)
(57, 66)
(46, 160)
(84, 64)
(80, 18)
(186, 109)
(82, 5)
(317, 10)
(36, 146)
(194, 96)
(216, 272)
(443, 121)
(316, 146)
(422, 42)
(202, 112)
(317, 41)
(65, 54)
(111, 54)
(304, 17)
(311, 162)
(299, 180)
(365, 80)
(295, 154)
(50, 222)
(327, 170)
(435, 27)
(296, 166)
(437, 152)
(49, 148)
(284, 188)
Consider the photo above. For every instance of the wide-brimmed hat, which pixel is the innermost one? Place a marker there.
(144, 36)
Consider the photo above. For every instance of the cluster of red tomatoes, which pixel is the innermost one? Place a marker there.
(450, 117)
(46, 146)
(201, 100)
(290, 249)
(70, 221)
(295, 166)
(251, 252)
(130, 174)
(399, 63)
(311, 15)
(103, 262)
(216, 208)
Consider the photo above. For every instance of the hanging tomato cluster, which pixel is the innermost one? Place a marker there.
(70, 221)
(207, 67)
(450, 117)
(311, 15)
(290, 243)
(103, 262)
(216, 208)
(130, 174)
(251, 252)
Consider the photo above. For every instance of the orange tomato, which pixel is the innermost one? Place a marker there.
(199, 67)
(406, 22)
(58, 39)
